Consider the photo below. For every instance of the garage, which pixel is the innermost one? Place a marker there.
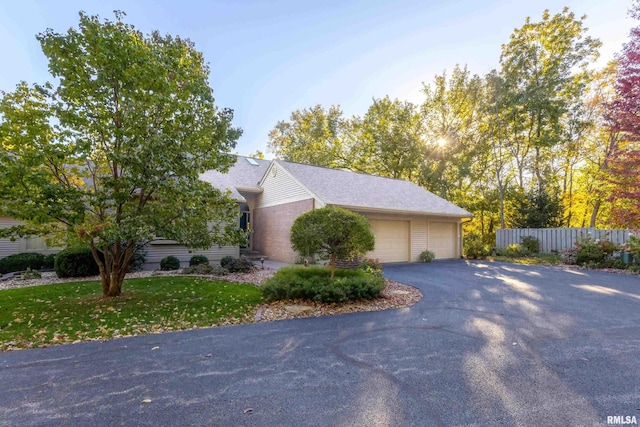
(443, 237)
(392, 240)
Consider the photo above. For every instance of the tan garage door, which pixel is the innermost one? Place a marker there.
(392, 240)
(442, 239)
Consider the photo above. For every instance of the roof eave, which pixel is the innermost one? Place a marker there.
(398, 211)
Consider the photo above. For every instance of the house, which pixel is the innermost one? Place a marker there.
(405, 218)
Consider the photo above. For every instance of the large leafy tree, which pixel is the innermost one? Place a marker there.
(110, 154)
(388, 140)
(314, 136)
(333, 232)
(624, 118)
(544, 67)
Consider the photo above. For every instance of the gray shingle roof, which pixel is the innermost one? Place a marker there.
(242, 174)
(346, 188)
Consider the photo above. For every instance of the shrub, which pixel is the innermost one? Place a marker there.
(137, 260)
(49, 261)
(371, 266)
(530, 245)
(633, 246)
(20, 262)
(594, 252)
(205, 269)
(316, 283)
(76, 261)
(239, 265)
(30, 274)
(224, 262)
(474, 247)
(198, 259)
(427, 256)
(512, 251)
(169, 263)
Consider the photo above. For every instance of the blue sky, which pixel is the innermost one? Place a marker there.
(269, 58)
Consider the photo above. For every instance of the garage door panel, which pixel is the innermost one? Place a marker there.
(442, 239)
(392, 240)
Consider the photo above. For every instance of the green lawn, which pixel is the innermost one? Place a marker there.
(71, 312)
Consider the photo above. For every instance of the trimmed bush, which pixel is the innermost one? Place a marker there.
(205, 269)
(427, 256)
(197, 260)
(315, 283)
(75, 261)
(20, 262)
(224, 262)
(138, 260)
(239, 265)
(49, 261)
(530, 244)
(169, 263)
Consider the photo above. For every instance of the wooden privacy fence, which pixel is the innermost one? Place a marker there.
(558, 239)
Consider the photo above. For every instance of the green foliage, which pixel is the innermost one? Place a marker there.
(594, 253)
(205, 269)
(474, 247)
(512, 251)
(314, 136)
(530, 244)
(333, 233)
(633, 246)
(110, 155)
(539, 209)
(30, 274)
(49, 261)
(54, 314)
(76, 261)
(371, 266)
(316, 284)
(21, 262)
(169, 263)
(239, 265)
(137, 260)
(224, 262)
(198, 259)
(427, 256)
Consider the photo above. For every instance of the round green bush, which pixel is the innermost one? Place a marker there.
(225, 261)
(197, 260)
(49, 261)
(169, 263)
(75, 261)
(239, 265)
(20, 262)
(427, 256)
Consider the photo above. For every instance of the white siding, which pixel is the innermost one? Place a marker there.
(155, 253)
(279, 188)
(419, 238)
(33, 244)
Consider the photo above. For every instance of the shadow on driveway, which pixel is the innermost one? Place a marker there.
(489, 343)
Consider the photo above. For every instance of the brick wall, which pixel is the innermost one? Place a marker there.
(271, 228)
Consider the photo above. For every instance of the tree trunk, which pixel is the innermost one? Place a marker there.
(594, 213)
(333, 264)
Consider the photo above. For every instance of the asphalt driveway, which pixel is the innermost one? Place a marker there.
(489, 344)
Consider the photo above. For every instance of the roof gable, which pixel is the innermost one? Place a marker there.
(357, 190)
